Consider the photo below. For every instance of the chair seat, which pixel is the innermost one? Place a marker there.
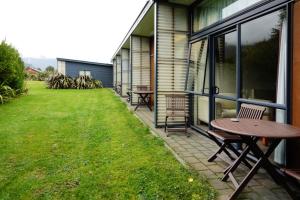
(224, 136)
(176, 114)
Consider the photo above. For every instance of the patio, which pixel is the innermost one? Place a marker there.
(194, 151)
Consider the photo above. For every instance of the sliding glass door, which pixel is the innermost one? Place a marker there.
(246, 63)
(224, 71)
(198, 82)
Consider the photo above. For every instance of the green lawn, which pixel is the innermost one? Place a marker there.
(85, 144)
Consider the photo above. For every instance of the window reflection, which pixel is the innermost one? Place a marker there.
(201, 112)
(225, 64)
(211, 11)
(263, 58)
(198, 77)
(225, 109)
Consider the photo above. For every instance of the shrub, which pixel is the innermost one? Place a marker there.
(86, 82)
(11, 73)
(60, 81)
(11, 67)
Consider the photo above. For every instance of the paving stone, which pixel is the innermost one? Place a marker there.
(185, 154)
(216, 168)
(205, 162)
(208, 174)
(193, 150)
(191, 159)
(196, 149)
(200, 155)
(219, 185)
(199, 166)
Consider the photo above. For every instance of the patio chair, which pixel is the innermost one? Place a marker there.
(176, 107)
(225, 140)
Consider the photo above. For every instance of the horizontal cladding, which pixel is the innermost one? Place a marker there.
(140, 63)
(114, 73)
(125, 71)
(119, 71)
(103, 73)
(172, 52)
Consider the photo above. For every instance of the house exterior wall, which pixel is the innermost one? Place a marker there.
(61, 67)
(125, 71)
(119, 70)
(114, 73)
(293, 146)
(103, 73)
(140, 63)
(171, 55)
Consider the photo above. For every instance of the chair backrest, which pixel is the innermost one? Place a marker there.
(251, 111)
(175, 102)
(142, 87)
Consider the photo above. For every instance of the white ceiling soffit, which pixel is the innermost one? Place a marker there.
(146, 26)
(183, 2)
(142, 14)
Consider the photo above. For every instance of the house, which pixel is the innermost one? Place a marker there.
(98, 71)
(220, 54)
(32, 71)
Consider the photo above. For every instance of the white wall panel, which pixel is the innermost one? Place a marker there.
(119, 70)
(125, 71)
(114, 72)
(140, 63)
(172, 50)
(61, 67)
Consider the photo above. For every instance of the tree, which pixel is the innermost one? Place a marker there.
(49, 69)
(11, 66)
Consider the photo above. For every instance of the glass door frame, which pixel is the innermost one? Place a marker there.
(236, 25)
(215, 95)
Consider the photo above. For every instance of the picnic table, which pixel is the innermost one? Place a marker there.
(144, 98)
(250, 131)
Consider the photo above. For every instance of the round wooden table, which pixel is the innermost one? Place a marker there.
(257, 128)
(250, 131)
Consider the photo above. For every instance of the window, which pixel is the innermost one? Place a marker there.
(211, 11)
(263, 60)
(85, 73)
(198, 74)
(225, 63)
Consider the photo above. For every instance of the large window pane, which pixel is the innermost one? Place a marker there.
(225, 64)
(198, 77)
(211, 11)
(201, 112)
(263, 58)
(225, 108)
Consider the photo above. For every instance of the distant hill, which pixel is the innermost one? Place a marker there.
(41, 63)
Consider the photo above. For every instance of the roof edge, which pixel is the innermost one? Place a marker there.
(143, 12)
(84, 62)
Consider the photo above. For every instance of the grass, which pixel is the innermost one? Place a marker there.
(85, 144)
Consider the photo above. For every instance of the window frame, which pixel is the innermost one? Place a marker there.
(234, 22)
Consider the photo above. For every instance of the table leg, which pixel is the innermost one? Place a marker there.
(261, 162)
(147, 103)
(236, 163)
(268, 165)
(138, 104)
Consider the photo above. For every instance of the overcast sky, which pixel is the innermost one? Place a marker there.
(77, 29)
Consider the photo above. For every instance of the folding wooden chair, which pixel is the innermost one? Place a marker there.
(225, 140)
(176, 107)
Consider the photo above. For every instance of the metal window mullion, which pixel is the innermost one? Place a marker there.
(238, 67)
(211, 80)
